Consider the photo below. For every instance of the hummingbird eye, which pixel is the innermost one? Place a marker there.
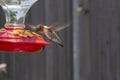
(41, 28)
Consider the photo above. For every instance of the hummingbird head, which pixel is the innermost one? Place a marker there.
(40, 28)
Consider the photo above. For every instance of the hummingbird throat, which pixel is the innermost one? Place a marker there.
(40, 28)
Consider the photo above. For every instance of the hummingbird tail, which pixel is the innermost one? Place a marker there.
(61, 45)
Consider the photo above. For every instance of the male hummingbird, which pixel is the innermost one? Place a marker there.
(50, 31)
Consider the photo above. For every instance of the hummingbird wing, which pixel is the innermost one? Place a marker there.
(52, 35)
(56, 39)
(32, 27)
(35, 28)
(60, 27)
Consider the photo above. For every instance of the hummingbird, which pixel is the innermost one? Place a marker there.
(3, 71)
(50, 31)
(3, 68)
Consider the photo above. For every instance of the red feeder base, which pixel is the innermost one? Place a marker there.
(21, 41)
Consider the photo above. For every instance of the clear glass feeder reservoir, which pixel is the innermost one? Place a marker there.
(14, 38)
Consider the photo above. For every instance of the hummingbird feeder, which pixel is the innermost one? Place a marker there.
(14, 37)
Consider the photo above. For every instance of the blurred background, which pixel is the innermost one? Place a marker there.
(92, 42)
